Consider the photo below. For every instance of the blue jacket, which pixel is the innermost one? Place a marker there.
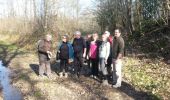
(71, 51)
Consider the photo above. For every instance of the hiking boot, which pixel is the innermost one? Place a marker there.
(116, 86)
(60, 74)
(78, 75)
(66, 75)
(95, 77)
(105, 83)
(91, 76)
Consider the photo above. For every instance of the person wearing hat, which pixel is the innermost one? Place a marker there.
(44, 54)
(65, 51)
(79, 47)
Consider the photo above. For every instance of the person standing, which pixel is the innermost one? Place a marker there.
(88, 40)
(79, 47)
(44, 54)
(117, 54)
(104, 51)
(65, 51)
(94, 55)
(109, 61)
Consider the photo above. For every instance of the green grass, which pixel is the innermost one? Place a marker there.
(23, 77)
(7, 47)
(149, 77)
(37, 94)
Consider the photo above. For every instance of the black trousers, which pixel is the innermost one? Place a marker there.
(63, 65)
(109, 63)
(94, 66)
(78, 64)
(88, 63)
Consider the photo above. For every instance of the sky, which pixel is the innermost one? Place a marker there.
(2, 6)
(86, 3)
(18, 6)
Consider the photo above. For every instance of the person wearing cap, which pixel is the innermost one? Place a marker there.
(44, 54)
(109, 61)
(65, 51)
(117, 55)
(79, 47)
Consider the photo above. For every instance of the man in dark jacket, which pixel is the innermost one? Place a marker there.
(44, 53)
(117, 55)
(79, 46)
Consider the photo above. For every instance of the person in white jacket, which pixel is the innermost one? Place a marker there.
(104, 51)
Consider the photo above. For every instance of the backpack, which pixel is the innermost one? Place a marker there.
(37, 44)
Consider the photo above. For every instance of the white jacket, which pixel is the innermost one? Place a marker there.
(104, 50)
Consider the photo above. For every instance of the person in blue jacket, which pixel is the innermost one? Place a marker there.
(66, 55)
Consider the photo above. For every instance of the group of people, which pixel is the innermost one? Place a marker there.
(100, 55)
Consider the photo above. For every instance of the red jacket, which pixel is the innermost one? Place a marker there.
(110, 39)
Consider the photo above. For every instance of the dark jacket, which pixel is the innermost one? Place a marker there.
(66, 51)
(117, 47)
(88, 47)
(43, 47)
(110, 40)
(78, 46)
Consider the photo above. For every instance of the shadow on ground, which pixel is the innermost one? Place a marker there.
(94, 89)
(33, 91)
(8, 52)
(35, 68)
(137, 95)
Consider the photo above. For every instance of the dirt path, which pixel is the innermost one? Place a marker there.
(25, 77)
(25, 67)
